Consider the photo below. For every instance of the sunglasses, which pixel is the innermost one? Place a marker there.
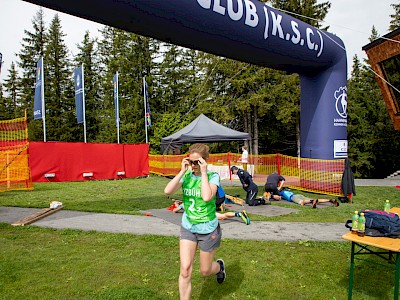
(194, 162)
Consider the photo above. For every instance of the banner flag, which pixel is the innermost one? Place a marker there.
(79, 95)
(116, 101)
(39, 97)
(147, 105)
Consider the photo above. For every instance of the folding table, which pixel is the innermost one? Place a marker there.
(389, 249)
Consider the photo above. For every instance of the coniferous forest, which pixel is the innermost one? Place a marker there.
(183, 83)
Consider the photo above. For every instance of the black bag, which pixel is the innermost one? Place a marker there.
(380, 223)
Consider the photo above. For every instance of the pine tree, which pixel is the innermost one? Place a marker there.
(172, 78)
(374, 145)
(59, 95)
(312, 12)
(179, 98)
(130, 55)
(33, 45)
(3, 105)
(360, 127)
(12, 88)
(374, 34)
(395, 21)
(88, 57)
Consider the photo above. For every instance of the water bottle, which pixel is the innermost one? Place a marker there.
(354, 223)
(386, 207)
(361, 225)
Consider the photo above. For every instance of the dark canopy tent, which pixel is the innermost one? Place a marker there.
(201, 130)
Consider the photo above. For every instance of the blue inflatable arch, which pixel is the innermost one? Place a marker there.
(248, 31)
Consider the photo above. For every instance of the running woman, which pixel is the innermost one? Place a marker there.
(200, 224)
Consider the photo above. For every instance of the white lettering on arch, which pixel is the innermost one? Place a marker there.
(276, 24)
(309, 32)
(251, 14)
(218, 8)
(235, 16)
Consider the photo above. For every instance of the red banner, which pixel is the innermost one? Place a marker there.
(86, 161)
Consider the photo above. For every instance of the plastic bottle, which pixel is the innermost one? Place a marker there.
(386, 207)
(354, 223)
(361, 225)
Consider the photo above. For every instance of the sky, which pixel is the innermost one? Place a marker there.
(351, 20)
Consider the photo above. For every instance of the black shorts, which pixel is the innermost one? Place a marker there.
(271, 188)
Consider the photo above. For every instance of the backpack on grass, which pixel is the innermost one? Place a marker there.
(380, 224)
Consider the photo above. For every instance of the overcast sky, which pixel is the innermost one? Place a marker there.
(351, 20)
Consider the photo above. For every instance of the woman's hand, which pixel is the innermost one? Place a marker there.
(185, 164)
(203, 165)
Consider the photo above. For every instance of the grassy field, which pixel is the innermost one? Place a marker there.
(130, 196)
(39, 263)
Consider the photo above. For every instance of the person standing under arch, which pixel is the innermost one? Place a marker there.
(200, 226)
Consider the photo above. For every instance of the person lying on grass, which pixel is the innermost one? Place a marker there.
(302, 200)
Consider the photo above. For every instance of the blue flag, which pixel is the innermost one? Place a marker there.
(79, 93)
(39, 97)
(116, 102)
(147, 108)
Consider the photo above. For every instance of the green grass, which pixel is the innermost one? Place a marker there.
(39, 263)
(130, 196)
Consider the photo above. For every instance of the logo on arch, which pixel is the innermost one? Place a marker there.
(341, 101)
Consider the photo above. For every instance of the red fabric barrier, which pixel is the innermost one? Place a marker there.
(136, 160)
(68, 161)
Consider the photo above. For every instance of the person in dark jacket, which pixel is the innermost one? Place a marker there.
(274, 184)
(248, 185)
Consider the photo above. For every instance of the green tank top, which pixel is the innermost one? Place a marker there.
(197, 210)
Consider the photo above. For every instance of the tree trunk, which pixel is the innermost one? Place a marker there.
(246, 129)
(255, 131)
(298, 135)
(249, 131)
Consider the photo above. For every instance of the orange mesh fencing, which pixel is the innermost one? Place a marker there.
(15, 173)
(312, 175)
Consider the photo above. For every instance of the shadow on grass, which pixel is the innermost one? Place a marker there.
(130, 292)
(370, 278)
(213, 290)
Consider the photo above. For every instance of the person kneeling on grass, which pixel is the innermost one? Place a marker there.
(302, 200)
(274, 185)
(248, 185)
(178, 205)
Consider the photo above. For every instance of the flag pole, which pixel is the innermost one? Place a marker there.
(43, 105)
(145, 107)
(116, 100)
(83, 105)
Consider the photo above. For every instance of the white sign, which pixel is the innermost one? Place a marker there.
(339, 148)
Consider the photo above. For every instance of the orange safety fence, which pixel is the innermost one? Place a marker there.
(15, 173)
(313, 175)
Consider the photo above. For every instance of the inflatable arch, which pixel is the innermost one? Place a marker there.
(248, 31)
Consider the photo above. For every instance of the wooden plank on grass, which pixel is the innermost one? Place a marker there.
(36, 216)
